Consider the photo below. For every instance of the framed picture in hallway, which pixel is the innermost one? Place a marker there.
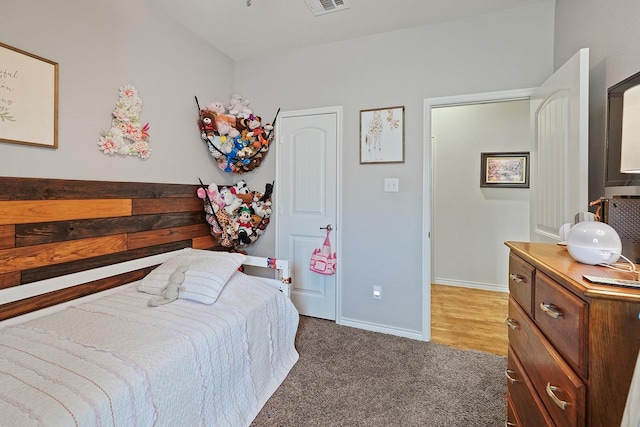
(382, 135)
(506, 170)
(28, 98)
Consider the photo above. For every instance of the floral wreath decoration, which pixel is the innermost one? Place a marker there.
(237, 215)
(126, 126)
(235, 137)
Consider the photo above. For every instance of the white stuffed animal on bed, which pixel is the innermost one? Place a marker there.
(171, 291)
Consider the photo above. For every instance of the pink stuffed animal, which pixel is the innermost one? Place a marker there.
(214, 196)
(216, 107)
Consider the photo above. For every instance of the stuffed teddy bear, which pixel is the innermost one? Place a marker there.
(171, 290)
(215, 106)
(242, 127)
(207, 124)
(238, 107)
(231, 202)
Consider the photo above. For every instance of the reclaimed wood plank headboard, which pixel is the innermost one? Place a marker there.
(53, 227)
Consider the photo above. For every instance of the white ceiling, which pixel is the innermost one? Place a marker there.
(271, 26)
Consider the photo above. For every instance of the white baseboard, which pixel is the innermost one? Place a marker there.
(472, 285)
(373, 327)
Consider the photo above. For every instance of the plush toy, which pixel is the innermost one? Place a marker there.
(237, 215)
(223, 128)
(254, 162)
(235, 156)
(245, 227)
(268, 190)
(213, 194)
(262, 208)
(226, 145)
(231, 202)
(229, 229)
(239, 107)
(253, 122)
(216, 106)
(225, 120)
(242, 127)
(255, 221)
(171, 290)
(241, 190)
(207, 124)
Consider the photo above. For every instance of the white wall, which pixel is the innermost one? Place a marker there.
(101, 46)
(382, 231)
(470, 223)
(611, 31)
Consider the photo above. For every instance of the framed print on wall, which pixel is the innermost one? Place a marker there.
(28, 98)
(506, 170)
(382, 135)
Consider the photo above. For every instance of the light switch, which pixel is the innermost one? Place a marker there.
(391, 185)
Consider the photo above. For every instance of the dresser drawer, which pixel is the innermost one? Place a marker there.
(511, 418)
(521, 281)
(527, 408)
(559, 388)
(562, 318)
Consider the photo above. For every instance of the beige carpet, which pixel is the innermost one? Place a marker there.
(351, 377)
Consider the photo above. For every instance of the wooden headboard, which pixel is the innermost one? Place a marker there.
(52, 227)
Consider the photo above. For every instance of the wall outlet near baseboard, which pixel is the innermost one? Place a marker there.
(377, 292)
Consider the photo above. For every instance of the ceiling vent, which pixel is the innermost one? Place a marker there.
(322, 7)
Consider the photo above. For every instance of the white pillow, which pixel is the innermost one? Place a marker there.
(202, 286)
(207, 273)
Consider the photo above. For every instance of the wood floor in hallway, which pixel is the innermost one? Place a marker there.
(469, 318)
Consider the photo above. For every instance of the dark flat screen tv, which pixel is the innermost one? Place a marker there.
(617, 183)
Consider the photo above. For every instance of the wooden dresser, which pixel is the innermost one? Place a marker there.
(573, 345)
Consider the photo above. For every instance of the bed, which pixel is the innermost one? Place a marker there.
(80, 343)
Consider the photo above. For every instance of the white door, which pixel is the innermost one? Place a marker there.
(559, 155)
(307, 172)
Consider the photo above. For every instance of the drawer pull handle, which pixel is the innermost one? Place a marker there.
(551, 392)
(516, 278)
(513, 324)
(510, 424)
(551, 310)
(508, 373)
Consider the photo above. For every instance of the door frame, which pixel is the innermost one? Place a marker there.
(427, 181)
(337, 230)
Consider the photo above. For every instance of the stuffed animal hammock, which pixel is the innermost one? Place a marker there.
(237, 216)
(235, 137)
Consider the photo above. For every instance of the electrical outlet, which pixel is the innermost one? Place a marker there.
(377, 292)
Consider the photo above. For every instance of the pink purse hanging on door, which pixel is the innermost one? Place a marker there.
(322, 260)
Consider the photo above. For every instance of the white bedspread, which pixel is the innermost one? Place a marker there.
(116, 362)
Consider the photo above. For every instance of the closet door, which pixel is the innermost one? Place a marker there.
(307, 201)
